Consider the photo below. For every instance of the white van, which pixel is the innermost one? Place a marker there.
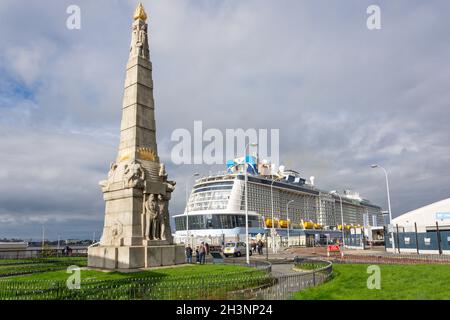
(236, 249)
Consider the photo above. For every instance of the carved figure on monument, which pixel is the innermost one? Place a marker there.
(170, 185)
(133, 41)
(151, 227)
(134, 175)
(111, 173)
(112, 170)
(116, 232)
(162, 172)
(141, 40)
(106, 183)
(163, 206)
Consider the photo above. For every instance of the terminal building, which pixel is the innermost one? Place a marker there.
(425, 230)
(425, 218)
(278, 199)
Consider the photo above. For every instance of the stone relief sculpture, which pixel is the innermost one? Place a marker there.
(116, 232)
(156, 218)
(151, 227)
(111, 174)
(165, 231)
(112, 171)
(133, 40)
(170, 185)
(162, 172)
(142, 41)
(134, 175)
(139, 45)
(163, 204)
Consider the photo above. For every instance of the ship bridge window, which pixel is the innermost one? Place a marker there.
(220, 183)
(215, 221)
(213, 188)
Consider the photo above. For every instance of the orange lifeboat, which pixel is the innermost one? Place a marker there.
(269, 223)
(284, 224)
(308, 225)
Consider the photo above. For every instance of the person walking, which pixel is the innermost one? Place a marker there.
(202, 251)
(260, 247)
(254, 245)
(188, 254)
(197, 255)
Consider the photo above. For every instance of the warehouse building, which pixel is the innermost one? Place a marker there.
(424, 231)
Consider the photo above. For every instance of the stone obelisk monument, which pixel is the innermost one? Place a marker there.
(136, 232)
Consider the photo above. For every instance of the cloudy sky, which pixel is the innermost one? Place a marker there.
(342, 96)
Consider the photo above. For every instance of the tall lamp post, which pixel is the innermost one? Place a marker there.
(43, 238)
(273, 220)
(287, 217)
(187, 210)
(342, 218)
(389, 202)
(247, 249)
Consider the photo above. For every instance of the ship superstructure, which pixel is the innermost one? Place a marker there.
(216, 205)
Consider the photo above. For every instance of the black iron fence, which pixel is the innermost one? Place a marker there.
(41, 253)
(258, 282)
(195, 287)
(283, 287)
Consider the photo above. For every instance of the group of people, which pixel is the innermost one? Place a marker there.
(201, 252)
(67, 251)
(257, 246)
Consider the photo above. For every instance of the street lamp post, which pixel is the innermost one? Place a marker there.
(342, 218)
(57, 248)
(247, 249)
(389, 202)
(187, 210)
(273, 221)
(43, 238)
(287, 217)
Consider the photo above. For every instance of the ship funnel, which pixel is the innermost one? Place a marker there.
(311, 180)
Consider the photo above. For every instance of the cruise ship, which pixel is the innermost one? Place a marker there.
(278, 199)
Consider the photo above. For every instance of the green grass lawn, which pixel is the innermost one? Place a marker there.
(398, 282)
(10, 267)
(11, 262)
(175, 272)
(180, 282)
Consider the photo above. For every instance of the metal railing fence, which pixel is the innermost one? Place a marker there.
(195, 287)
(283, 287)
(259, 282)
(41, 253)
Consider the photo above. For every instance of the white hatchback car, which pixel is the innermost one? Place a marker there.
(236, 249)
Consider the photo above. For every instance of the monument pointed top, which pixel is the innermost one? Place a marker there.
(139, 13)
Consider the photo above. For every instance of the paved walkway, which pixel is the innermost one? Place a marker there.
(283, 269)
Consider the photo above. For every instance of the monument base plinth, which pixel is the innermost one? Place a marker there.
(112, 257)
(151, 243)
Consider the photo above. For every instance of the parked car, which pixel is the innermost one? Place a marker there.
(236, 249)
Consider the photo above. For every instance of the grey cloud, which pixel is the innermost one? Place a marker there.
(343, 97)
